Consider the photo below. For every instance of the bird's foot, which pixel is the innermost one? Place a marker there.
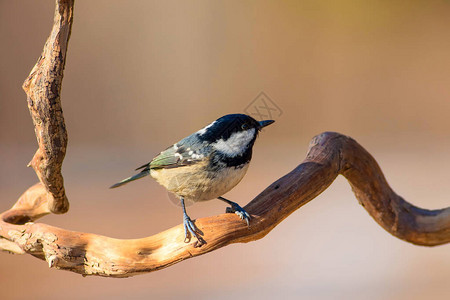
(190, 228)
(238, 210)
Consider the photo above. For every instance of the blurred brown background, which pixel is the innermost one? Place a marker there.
(142, 74)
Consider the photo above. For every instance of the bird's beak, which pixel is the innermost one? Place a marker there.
(265, 123)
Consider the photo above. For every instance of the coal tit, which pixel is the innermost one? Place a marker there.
(206, 164)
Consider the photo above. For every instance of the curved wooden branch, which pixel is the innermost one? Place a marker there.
(43, 89)
(329, 155)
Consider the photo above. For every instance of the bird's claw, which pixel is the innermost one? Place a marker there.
(235, 208)
(190, 228)
(244, 216)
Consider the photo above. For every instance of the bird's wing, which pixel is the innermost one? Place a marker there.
(178, 155)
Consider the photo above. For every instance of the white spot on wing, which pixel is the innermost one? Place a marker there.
(197, 156)
(180, 157)
(236, 144)
(204, 129)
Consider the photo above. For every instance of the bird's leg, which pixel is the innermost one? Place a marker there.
(237, 209)
(190, 228)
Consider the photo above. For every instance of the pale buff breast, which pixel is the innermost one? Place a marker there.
(192, 183)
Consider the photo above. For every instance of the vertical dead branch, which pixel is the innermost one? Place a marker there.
(43, 89)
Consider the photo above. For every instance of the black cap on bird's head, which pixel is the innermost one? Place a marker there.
(225, 126)
(232, 138)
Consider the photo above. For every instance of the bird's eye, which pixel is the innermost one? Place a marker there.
(244, 126)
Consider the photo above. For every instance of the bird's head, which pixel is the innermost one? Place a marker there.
(233, 135)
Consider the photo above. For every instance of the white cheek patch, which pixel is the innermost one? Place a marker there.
(203, 130)
(236, 144)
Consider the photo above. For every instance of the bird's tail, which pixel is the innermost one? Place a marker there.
(132, 178)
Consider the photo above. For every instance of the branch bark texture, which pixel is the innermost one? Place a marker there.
(43, 89)
(330, 154)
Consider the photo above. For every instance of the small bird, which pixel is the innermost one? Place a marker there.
(206, 164)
